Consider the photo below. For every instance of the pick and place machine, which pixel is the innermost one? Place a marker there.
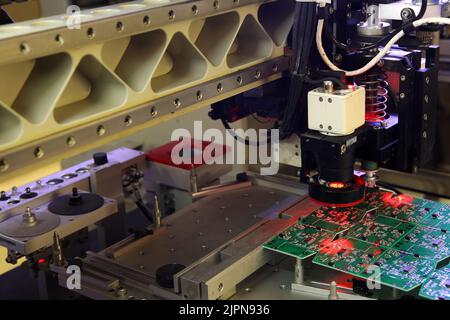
(350, 88)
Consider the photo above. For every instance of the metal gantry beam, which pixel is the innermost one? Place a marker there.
(65, 86)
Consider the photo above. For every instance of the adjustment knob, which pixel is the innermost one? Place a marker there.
(100, 158)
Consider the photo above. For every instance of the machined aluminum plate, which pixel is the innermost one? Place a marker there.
(204, 227)
(27, 243)
(15, 227)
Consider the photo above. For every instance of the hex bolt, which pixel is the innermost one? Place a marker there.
(29, 217)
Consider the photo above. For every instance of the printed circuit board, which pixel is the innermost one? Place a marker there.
(404, 239)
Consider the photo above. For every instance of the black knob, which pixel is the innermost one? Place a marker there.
(100, 158)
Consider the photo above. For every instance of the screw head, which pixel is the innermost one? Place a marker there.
(4, 165)
(39, 152)
(101, 131)
(71, 141)
(128, 121)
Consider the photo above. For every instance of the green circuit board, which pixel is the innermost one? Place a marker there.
(403, 207)
(380, 230)
(396, 269)
(334, 219)
(403, 270)
(404, 237)
(437, 286)
(439, 219)
(426, 242)
(349, 256)
(300, 241)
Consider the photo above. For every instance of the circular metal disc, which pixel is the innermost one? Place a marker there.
(15, 227)
(62, 206)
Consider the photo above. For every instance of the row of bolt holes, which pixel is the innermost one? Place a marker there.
(54, 182)
(90, 33)
(101, 130)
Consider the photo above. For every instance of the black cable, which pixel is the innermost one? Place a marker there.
(244, 141)
(380, 42)
(144, 211)
(305, 22)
